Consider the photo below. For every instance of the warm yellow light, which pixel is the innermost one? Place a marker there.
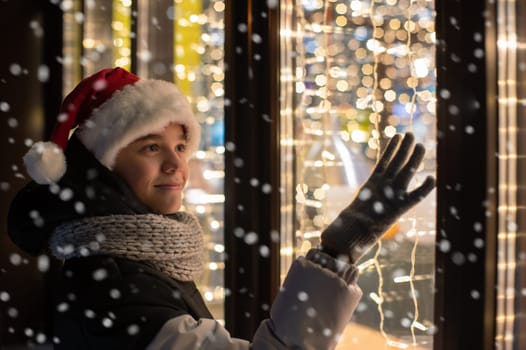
(410, 26)
(214, 54)
(362, 92)
(385, 83)
(218, 89)
(379, 33)
(219, 6)
(401, 35)
(122, 62)
(404, 98)
(390, 95)
(360, 53)
(342, 85)
(200, 209)
(214, 225)
(202, 104)
(412, 82)
(341, 8)
(320, 80)
(390, 131)
(367, 69)
(341, 21)
(118, 42)
(88, 43)
(180, 68)
(300, 87)
(367, 81)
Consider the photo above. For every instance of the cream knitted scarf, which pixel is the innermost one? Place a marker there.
(173, 243)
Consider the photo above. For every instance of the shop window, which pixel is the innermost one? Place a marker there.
(354, 73)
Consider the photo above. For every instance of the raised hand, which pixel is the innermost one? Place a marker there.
(382, 199)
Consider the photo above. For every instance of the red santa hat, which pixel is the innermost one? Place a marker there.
(111, 109)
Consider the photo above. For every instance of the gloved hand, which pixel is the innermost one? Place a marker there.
(382, 199)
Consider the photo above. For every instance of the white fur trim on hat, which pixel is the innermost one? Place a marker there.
(45, 162)
(137, 110)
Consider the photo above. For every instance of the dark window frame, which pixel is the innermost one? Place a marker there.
(466, 176)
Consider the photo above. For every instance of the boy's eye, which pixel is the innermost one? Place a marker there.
(181, 148)
(151, 148)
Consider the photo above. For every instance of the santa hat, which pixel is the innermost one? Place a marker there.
(111, 109)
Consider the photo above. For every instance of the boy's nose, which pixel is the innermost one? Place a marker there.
(172, 162)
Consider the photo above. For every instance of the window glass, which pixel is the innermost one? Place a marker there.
(353, 74)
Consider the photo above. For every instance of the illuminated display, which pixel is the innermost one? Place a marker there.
(354, 74)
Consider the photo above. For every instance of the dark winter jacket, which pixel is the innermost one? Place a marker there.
(106, 302)
(123, 308)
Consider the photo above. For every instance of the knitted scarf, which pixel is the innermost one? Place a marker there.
(172, 243)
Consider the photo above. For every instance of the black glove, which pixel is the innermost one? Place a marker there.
(382, 199)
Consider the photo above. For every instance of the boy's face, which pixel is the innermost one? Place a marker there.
(156, 169)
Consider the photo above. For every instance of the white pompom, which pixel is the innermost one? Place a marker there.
(45, 162)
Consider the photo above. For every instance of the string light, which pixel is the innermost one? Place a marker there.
(510, 153)
(121, 24)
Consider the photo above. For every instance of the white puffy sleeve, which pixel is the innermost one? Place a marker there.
(310, 312)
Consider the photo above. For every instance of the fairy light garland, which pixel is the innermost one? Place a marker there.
(375, 116)
(412, 104)
(121, 25)
(510, 239)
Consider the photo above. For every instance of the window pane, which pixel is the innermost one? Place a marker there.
(353, 74)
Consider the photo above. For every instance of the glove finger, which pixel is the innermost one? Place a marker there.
(408, 171)
(392, 146)
(420, 192)
(401, 155)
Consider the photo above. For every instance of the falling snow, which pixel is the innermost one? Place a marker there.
(43, 75)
